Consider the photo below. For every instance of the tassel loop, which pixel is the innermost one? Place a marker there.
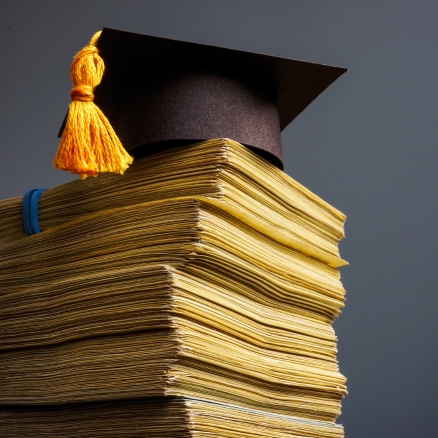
(89, 144)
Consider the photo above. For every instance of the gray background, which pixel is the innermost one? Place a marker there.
(367, 146)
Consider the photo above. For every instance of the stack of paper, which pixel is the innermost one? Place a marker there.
(221, 169)
(173, 313)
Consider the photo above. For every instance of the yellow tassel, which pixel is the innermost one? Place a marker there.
(89, 144)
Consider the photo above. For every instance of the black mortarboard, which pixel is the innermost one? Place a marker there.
(159, 93)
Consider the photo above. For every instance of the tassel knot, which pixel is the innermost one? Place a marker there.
(89, 144)
(84, 93)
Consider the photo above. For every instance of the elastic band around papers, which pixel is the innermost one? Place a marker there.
(29, 208)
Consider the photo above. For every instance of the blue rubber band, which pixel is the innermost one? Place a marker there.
(30, 211)
(34, 210)
(25, 211)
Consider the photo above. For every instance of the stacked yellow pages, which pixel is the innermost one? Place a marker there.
(165, 417)
(198, 304)
(221, 169)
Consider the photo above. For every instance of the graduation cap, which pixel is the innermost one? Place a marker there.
(157, 93)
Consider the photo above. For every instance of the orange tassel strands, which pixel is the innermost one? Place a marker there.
(89, 144)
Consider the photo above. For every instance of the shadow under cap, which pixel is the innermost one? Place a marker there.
(159, 93)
